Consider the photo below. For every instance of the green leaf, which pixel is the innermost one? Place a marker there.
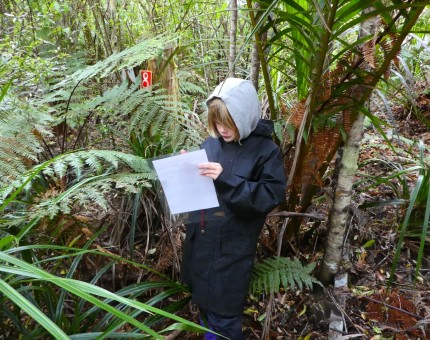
(404, 228)
(33, 311)
(6, 241)
(368, 244)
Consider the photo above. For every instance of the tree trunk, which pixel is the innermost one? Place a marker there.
(258, 44)
(255, 66)
(255, 62)
(348, 168)
(164, 72)
(233, 34)
(340, 209)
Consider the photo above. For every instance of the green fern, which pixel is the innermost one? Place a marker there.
(187, 87)
(22, 127)
(269, 275)
(129, 111)
(94, 191)
(147, 120)
(126, 59)
(167, 123)
(94, 162)
(93, 174)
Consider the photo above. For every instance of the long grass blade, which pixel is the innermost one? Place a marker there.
(404, 228)
(33, 311)
(427, 211)
(86, 291)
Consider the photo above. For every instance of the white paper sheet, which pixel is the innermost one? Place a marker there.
(185, 189)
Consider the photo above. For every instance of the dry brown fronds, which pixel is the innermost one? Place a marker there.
(368, 50)
(387, 44)
(282, 107)
(347, 119)
(168, 250)
(297, 113)
(323, 143)
(343, 66)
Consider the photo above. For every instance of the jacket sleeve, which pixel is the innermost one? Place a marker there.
(254, 196)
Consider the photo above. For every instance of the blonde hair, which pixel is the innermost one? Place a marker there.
(218, 114)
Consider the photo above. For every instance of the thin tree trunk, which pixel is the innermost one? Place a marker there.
(101, 28)
(255, 66)
(233, 35)
(255, 61)
(258, 44)
(348, 168)
(340, 210)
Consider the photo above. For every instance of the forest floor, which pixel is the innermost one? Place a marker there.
(366, 307)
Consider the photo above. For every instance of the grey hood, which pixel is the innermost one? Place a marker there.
(242, 102)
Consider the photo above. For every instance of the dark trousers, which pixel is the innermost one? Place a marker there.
(229, 326)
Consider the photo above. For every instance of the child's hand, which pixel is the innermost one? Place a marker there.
(210, 169)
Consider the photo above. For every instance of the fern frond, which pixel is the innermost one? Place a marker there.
(93, 191)
(269, 275)
(368, 50)
(297, 114)
(84, 164)
(23, 127)
(186, 87)
(128, 58)
(98, 161)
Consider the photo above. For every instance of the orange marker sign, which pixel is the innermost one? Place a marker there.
(146, 78)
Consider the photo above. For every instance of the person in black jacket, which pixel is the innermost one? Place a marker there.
(247, 169)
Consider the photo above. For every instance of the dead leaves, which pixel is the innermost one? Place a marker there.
(395, 312)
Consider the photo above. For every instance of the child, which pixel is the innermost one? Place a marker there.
(247, 169)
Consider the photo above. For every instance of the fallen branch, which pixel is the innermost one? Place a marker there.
(295, 214)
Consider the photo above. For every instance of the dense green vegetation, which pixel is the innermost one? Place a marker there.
(86, 249)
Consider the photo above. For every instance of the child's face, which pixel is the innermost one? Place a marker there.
(225, 132)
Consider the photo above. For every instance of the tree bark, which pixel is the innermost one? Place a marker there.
(164, 72)
(342, 201)
(343, 192)
(264, 69)
(255, 66)
(233, 36)
(255, 63)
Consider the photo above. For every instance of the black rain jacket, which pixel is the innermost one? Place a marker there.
(219, 252)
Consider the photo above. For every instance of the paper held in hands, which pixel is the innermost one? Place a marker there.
(185, 189)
